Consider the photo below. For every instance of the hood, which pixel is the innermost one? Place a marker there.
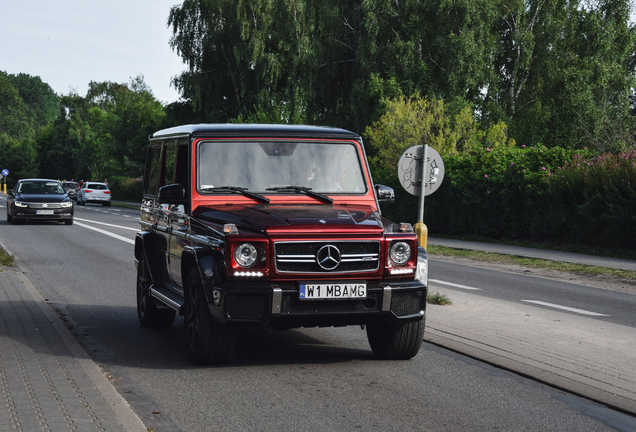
(278, 219)
(40, 198)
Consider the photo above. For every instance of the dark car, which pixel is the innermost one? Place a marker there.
(39, 199)
(273, 226)
(71, 188)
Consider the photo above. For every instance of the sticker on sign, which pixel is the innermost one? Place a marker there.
(320, 291)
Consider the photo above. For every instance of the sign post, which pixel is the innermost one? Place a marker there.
(421, 171)
(5, 173)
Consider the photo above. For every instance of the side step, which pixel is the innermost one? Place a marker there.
(167, 296)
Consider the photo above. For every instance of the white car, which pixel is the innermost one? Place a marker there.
(93, 192)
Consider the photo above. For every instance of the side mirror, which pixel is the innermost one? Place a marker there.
(172, 194)
(385, 194)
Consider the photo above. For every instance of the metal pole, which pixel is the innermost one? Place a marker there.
(420, 229)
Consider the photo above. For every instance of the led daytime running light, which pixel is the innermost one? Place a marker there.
(401, 271)
(248, 274)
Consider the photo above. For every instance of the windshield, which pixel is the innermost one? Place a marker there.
(323, 167)
(40, 187)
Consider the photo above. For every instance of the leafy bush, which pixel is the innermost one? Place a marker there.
(126, 189)
(536, 194)
(593, 202)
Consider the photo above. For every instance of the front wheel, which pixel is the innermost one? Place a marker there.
(147, 312)
(400, 341)
(9, 217)
(68, 221)
(208, 342)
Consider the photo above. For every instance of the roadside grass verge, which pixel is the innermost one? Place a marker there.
(125, 205)
(597, 251)
(6, 260)
(438, 299)
(531, 262)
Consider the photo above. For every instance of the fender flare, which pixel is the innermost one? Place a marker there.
(205, 261)
(144, 242)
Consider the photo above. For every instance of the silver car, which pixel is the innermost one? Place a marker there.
(93, 192)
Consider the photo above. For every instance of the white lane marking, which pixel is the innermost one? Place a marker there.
(107, 224)
(118, 237)
(454, 285)
(581, 311)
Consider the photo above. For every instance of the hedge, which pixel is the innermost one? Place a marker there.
(535, 194)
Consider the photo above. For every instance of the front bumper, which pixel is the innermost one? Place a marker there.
(31, 214)
(279, 306)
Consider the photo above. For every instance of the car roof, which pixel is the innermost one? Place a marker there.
(39, 179)
(240, 130)
(90, 182)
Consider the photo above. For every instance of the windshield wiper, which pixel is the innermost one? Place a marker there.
(305, 190)
(241, 190)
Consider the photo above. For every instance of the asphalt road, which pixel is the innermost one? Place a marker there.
(323, 379)
(602, 304)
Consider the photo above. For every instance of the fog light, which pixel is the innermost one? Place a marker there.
(216, 297)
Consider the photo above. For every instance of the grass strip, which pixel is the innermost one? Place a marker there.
(6, 260)
(530, 262)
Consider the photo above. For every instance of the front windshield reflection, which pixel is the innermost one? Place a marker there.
(325, 168)
(40, 188)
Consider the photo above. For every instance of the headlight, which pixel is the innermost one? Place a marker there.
(20, 204)
(245, 255)
(400, 253)
(67, 204)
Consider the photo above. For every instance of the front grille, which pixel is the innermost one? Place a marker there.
(293, 306)
(246, 306)
(49, 206)
(407, 302)
(302, 257)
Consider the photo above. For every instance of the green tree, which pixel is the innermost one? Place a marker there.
(102, 135)
(41, 101)
(13, 110)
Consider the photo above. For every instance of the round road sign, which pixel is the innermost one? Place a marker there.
(410, 171)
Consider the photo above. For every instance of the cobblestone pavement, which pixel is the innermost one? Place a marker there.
(47, 381)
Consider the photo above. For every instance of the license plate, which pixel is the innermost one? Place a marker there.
(44, 212)
(345, 290)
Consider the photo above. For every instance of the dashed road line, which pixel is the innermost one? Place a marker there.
(454, 285)
(580, 311)
(107, 224)
(122, 238)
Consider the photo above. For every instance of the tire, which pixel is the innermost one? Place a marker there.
(400, 341)
(147, 312)
(104, 204)
(108, 205)
(9, 217)
(208, 342)
(68, 221)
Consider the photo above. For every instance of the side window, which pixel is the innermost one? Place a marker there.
(182, 173)
(171, 163)
(153, 171)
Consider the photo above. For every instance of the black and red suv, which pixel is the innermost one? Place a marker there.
(275, 226)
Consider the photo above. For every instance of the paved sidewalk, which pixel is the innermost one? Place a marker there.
(536, 253)
(47, 381)
(584, 356)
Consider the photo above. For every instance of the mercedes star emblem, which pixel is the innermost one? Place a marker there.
(328, 257)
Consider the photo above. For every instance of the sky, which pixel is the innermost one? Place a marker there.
(69, 43)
